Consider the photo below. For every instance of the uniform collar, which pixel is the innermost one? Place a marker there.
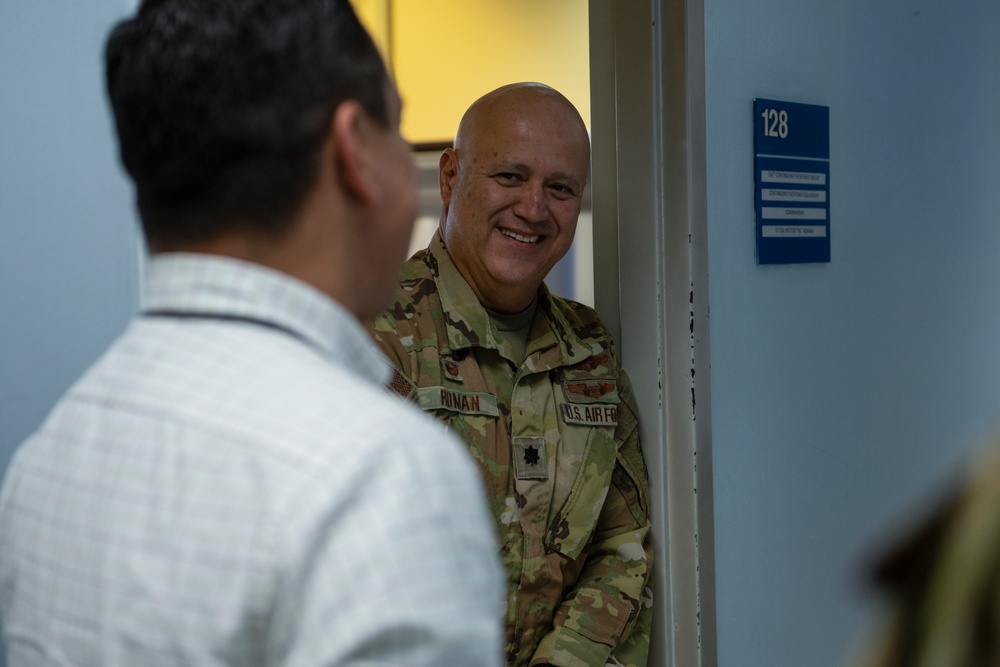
(468, 324)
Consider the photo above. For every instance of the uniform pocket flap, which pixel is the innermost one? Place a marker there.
(573, 525)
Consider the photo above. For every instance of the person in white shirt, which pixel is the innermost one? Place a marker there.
(230, 484)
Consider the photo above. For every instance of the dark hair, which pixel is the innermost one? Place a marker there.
(221, 107)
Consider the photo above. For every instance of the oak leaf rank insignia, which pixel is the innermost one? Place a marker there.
(529, 457)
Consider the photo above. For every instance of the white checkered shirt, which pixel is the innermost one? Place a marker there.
(230, 485)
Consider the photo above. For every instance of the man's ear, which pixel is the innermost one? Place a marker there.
(447, 173)
(352, 133)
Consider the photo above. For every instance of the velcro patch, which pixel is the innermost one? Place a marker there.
(591, 391)
(400, 384)
(465, 402)
(451, 369)
(589, 414)
(529, 458)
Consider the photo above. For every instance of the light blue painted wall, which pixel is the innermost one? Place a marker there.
(68, 241)
(69, 244)
(845, 395)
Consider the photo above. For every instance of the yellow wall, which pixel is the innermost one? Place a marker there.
(446, 53)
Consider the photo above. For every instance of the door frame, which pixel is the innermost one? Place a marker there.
(649, 206)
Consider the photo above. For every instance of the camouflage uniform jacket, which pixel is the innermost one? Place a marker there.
(557, 442)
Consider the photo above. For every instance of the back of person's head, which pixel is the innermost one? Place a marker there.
(222, 106)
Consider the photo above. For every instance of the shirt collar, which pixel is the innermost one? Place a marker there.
(206, 285)
(469, 324)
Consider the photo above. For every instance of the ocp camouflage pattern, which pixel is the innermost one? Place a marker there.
(557, 441)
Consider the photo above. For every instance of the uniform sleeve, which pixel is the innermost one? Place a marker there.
(606, 618)
(385, 335)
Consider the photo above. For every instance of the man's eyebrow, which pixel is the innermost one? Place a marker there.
(513, 166)
(567, 178)
(520, 166)
(564, 176)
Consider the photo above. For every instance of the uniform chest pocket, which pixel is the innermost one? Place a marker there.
(471, 415)
(590, 402)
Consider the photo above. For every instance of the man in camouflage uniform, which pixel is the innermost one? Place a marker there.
(531, 382)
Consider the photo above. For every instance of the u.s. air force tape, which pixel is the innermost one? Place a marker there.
(466, 402)
(592, 414)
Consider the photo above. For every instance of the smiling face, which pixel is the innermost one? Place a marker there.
(512, 189)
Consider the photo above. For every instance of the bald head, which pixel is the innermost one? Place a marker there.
(512, 188)
(520, 102)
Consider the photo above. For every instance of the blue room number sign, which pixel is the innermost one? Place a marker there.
(792, 182)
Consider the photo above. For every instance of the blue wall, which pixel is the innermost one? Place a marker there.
(69, 245)
(846, 395)
(69, 242)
